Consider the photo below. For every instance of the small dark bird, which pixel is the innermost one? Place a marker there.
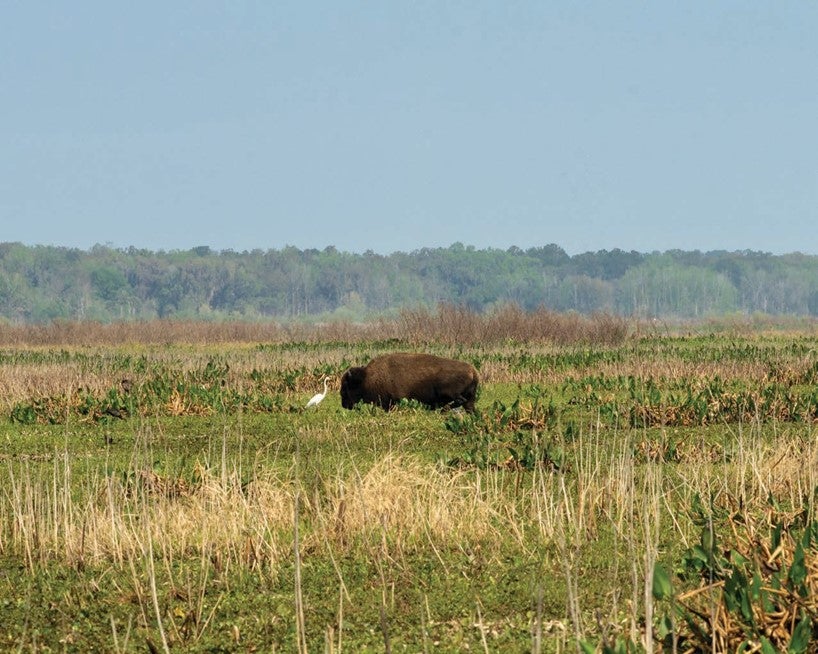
(116, 412)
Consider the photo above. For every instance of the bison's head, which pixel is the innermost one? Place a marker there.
(352, 386)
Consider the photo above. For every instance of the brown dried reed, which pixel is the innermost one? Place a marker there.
(448, 324)
(458, 325)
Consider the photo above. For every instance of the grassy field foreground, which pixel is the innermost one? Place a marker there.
(178, 497)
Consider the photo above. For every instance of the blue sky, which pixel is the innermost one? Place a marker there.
(401, 125)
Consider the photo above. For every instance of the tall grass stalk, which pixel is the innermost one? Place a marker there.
(154, 594)
(651, 522)
(301, 630)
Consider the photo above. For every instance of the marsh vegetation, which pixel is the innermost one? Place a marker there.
(619, 486)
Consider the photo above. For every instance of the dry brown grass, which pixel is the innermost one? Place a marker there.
(249, 525)
(174, 332)
(447, 325)
(414, 504)
(457, 325)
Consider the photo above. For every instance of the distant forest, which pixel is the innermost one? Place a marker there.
(41, 284)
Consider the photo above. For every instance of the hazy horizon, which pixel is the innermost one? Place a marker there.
(218, 250)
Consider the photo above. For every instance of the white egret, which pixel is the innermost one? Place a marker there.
(315, 399)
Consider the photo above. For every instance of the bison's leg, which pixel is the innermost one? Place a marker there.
(440, 399)
(385, 402)
(466, 401)
(469, 396)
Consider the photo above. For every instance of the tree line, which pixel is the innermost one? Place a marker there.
(40, 284)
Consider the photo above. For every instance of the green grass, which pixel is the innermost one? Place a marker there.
(519, 529)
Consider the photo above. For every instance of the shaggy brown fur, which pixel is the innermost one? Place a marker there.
(434, 381)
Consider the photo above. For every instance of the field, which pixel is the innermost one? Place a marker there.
(620, 488)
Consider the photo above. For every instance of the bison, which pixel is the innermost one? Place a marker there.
(434, 381)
